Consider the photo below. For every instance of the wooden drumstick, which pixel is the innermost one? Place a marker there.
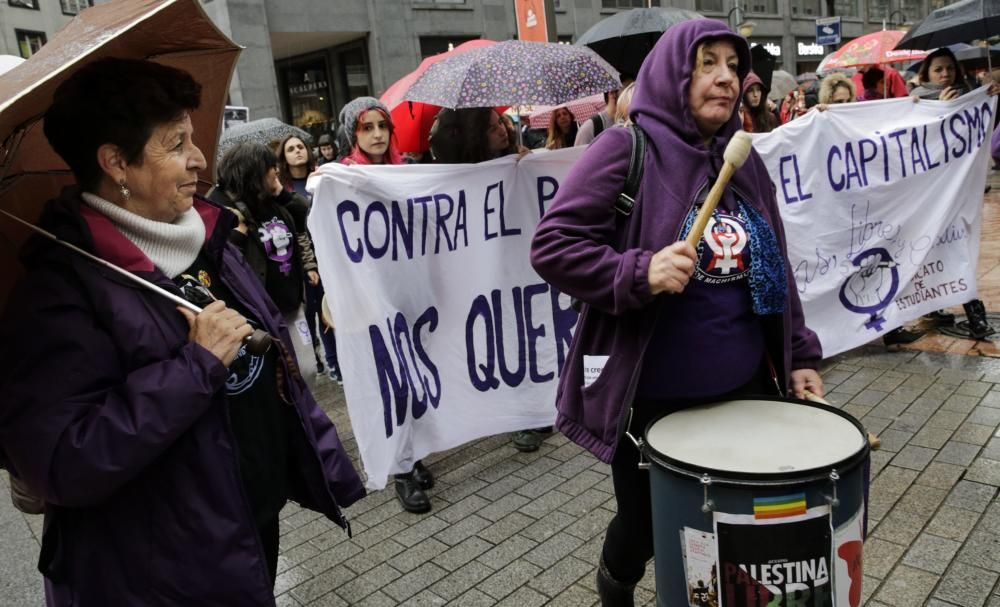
(733, 158)
(874, 442)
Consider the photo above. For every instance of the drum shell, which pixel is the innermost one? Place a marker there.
(678, 496)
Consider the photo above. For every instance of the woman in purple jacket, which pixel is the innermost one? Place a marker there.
(163, 449)
(669, 324)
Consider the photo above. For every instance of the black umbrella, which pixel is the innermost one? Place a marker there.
(624, 39)
(763, 64)
(971, 57)
(963, 21)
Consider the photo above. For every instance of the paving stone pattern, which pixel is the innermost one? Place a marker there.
(522, 530)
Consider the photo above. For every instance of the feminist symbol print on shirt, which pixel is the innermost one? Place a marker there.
(722, 250)
(277, 239)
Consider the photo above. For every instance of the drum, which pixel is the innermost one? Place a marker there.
(758, 502)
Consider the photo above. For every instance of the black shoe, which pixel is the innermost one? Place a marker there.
(612, 592)
(975, 312)
(940, 318)
(336, 376)
(423, 476)
(900, 336)
(320, 369)
(527, 441)
(411, 496)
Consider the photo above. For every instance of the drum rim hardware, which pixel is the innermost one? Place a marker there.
(648, 453)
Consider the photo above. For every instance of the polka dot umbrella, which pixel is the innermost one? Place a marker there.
(514, 72)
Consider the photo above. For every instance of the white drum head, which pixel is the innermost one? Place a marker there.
(756, 437)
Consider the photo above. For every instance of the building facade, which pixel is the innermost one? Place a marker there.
(304, 59)
(26, 25)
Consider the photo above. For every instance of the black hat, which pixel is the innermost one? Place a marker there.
(325, 139)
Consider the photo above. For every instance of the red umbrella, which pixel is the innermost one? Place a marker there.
(876, 48)
(412, 120)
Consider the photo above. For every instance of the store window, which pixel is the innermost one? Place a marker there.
(354, 72)
(29, 4)
(28, 42)
(73, 7)
(308, 89)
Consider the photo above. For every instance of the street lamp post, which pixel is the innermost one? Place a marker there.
(892, 22)
(743, 28)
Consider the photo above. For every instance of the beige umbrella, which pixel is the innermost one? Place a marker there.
(172, 32)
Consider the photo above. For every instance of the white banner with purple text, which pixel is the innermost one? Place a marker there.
(881, 202)
(445, 333)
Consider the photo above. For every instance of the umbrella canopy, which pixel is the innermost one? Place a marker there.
(412, 120)
(962, 21)
(514, 72)
(177, 33)
(582, 110)
(265, 130)
(876, 48)
(971, 57)
(782, 83)
(624, 39)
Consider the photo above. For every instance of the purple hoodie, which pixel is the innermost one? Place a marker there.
(584, 248)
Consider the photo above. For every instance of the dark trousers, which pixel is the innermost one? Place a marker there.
(269, 539)
(628, 544)
(314, 302)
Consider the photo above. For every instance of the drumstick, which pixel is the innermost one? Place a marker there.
(733, 158)
(873, 441)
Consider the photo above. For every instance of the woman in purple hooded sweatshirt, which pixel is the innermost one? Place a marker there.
(677, 324)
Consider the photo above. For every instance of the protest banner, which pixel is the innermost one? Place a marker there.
(445, 333)
(881, 202)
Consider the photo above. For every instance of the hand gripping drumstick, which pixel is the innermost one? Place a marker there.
(873, 441)
(258, 343)
(733, 158)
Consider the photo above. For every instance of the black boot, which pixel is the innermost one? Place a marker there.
(410, 495)
(612, 592)
(900, 336)
(423, 476)
(975, 312)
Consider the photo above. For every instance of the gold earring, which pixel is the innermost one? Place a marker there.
(124, 191)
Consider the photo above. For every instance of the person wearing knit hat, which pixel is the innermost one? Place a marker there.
(327, 149)
(369, 129)
(368, 126)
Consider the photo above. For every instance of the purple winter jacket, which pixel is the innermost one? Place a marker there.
(586, 249)
(121, 424)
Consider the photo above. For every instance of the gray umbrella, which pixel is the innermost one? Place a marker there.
(624, 39)
(782, 83)
(265, 130)
(963, 21)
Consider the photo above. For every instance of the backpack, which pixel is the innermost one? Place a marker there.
(625, 203)
(598, 121)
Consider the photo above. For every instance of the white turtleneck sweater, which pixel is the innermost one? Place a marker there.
(172, 247)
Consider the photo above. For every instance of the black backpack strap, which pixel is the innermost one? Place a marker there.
(598, 121)
(626, 200)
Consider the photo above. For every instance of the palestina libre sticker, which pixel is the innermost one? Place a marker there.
(778, 562)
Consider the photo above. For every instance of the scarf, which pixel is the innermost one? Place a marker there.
(172, 247)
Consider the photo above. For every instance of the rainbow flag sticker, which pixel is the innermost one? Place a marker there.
(779, 506)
